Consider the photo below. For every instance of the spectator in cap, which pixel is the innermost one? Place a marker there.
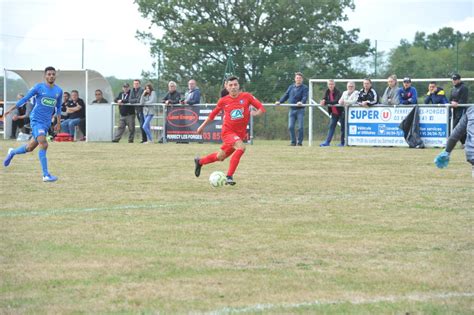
(407, 94)
(127, 115)
(459, 95)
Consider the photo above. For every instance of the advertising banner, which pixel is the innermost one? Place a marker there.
(182, 124)
(378, 126)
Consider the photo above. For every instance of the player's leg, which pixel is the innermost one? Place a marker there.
(30, 146)
(226, 150)
(43, 144)
(239, 147)
(332, 129)
(131, 128)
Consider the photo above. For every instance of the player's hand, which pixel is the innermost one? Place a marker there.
(57, 127)
(299, 104)
(323, 102)
(200, 130)
(277, 103)
(454, 104)
(442, 160)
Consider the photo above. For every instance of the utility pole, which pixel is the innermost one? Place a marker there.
(375, 62)
(82, 54)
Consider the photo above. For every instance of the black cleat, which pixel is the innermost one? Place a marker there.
(230, 181)
(197, 167)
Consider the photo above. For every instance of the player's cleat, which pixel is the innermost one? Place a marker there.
(324, 144)
(8, 158)
(230, 181)
(49, 178)
(340, 144)
(442, 160)
(197, 167)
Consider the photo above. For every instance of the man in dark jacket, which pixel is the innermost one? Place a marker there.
(435, 95)
(127, 115)
(459, 95)
(407, 94)
(173, 96)
(135, 95)
(296, 94)
(331, 98)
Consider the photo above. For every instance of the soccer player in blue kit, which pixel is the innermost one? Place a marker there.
(48, 99)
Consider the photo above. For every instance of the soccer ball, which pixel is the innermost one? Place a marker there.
(217, 179)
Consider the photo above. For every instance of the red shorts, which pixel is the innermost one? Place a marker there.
(229, 138)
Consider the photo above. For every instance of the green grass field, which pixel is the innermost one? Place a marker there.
(129, 229)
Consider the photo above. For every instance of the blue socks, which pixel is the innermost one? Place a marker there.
(19, 150)
(43, 161)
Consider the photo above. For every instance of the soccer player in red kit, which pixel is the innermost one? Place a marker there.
(237, 111)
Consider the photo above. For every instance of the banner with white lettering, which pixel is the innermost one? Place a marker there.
(378, 126)
(182, 124)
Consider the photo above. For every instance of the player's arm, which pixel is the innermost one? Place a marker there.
(22, 101)
(210, 118)
(258, 105)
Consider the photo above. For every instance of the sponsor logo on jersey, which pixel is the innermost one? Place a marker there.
(237, 114)
(48, 101)
(241, 101)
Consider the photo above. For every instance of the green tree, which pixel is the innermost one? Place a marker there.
(268, 41)
(435, 55)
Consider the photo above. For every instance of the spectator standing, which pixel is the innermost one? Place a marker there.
(296, 93)
(75, 109)
(173, 96)
(135, 95)
(193, 96)
(148, 97)
(127, 115)
(367, 95)
(331, 98)
(435, 95)
(21, 116)
(459, 95)
(407, 94)
(390, 96)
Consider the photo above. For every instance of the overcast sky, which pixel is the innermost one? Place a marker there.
(38, 33)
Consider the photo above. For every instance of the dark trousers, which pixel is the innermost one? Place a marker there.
(457, 114)
(19, 123)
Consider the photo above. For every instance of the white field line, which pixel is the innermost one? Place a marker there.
(416, 297)
(47, 212)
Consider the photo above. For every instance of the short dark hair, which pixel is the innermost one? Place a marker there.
(67, 93)
(137, 80)
(299, 73)
(49, 69)
(75, 91)
(433, 82)
(232, 78)
(99, 90)
(367, 79)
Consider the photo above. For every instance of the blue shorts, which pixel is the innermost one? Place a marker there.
(39, 129)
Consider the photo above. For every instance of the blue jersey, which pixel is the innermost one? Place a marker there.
(47, 100)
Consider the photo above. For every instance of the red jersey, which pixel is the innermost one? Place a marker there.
(236, 111)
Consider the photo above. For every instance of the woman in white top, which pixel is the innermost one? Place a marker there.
(148, 97)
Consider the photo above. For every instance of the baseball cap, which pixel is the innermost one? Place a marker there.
(406, 79)
(456, 76)
(126, 85)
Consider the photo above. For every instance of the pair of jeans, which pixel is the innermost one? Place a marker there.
(141, 120)
(293, 116)
(69, 125)
(332, 127)
(146, 127)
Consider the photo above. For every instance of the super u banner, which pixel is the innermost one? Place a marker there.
(378, 126)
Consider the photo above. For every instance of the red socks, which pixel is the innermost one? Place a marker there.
(234, 161)
(211, 158)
